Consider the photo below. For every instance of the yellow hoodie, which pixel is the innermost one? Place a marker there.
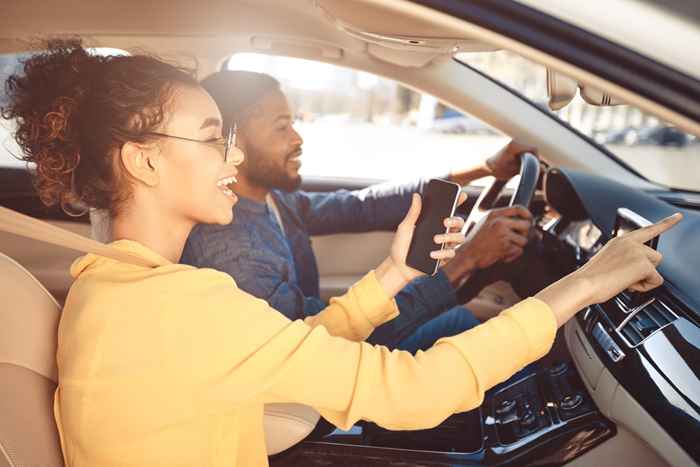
(171, 366)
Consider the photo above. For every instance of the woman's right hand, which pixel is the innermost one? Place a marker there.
(627, 263)
(623, 263)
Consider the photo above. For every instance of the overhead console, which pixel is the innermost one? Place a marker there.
(404, 40)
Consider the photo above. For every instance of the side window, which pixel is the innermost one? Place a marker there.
(9, 65)
(9, 152)
(358, 125)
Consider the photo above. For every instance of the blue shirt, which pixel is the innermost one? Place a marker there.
(280, 267)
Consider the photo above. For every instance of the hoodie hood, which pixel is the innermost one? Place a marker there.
(91, 260)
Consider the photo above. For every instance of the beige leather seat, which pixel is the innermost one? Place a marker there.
(28, 324)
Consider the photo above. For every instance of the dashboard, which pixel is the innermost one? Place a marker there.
(645, 347)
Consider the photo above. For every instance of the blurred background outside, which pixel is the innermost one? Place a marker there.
(357, 125)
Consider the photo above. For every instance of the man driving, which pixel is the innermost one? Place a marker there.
(267, 247)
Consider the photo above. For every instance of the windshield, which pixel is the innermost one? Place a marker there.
(658, 151)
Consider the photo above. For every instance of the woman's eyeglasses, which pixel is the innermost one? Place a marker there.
(223, 145)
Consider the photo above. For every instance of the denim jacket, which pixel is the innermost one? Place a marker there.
(280, 267)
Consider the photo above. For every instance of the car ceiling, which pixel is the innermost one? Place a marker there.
(185, 27)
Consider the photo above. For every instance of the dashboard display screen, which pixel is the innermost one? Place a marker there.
(627, 221)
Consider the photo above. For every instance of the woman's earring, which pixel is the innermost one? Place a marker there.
(235, 155)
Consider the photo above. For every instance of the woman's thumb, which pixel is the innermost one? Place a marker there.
(413, 211)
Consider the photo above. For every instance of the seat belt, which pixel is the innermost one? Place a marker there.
(285, 424)
(25, 226)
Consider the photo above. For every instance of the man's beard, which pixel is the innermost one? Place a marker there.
(263, 172)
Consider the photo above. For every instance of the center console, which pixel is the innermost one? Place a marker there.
(544, 416)
(530, 408)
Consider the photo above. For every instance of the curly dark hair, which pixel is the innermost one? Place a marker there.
(74, 109)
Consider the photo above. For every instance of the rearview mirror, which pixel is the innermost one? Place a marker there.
(561, 90)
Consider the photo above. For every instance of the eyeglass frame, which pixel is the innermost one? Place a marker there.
(227, 142)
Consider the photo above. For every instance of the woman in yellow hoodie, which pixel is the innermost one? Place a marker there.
(171, 365)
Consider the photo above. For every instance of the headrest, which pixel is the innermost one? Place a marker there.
(100, 226)
(28, 321)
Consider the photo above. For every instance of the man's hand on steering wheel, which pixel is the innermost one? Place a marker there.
(505, 164)
(513, 159)
(500, 236)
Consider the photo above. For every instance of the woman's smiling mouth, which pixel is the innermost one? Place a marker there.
(225, 185)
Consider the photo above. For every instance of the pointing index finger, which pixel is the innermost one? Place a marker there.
(645, 234)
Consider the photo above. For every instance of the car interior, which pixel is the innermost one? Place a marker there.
(621, 385)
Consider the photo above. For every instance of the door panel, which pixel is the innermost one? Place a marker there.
(344, 258)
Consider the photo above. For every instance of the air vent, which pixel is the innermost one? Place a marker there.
(645, 321)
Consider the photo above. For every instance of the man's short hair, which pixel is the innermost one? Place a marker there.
(236, 92)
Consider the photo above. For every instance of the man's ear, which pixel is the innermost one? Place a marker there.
(141, 162)
(242, 138)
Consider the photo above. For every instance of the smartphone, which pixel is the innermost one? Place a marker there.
(439, 202)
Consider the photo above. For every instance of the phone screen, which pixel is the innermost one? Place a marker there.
(439, 201)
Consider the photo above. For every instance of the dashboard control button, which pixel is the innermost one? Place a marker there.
(506, 406)
(606, 342)
(614, 353)
(528, 419)
(558, 369)
(571, 402)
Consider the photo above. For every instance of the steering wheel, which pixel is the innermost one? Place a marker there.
(529, 175)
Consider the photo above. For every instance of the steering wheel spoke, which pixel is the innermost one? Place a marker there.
(522, 196)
